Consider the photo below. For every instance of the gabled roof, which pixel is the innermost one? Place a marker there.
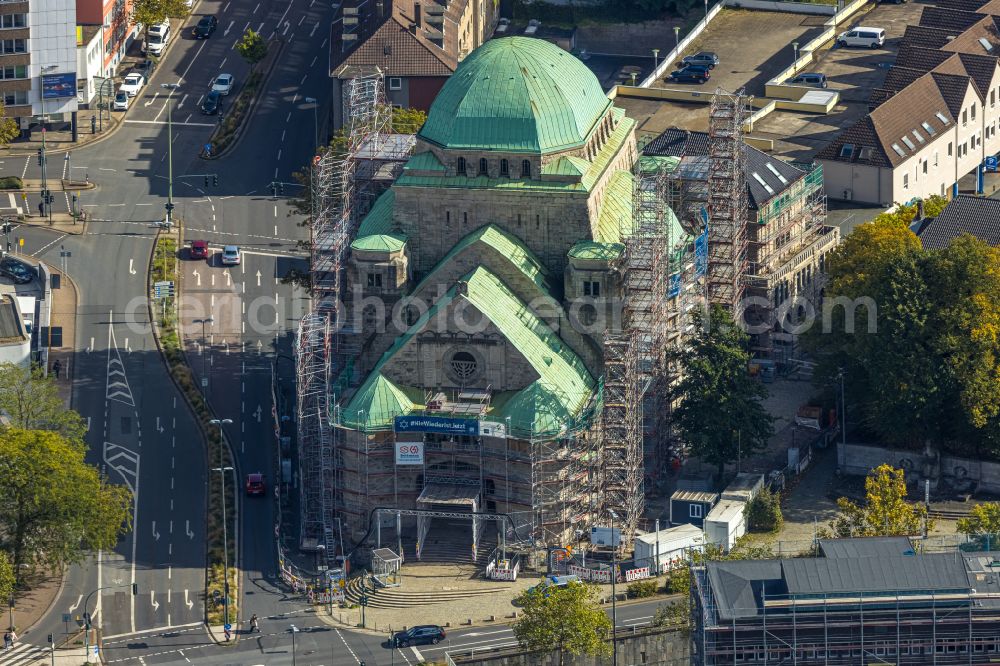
(980, 68)
(979, 38)
(866, 547)
(767, 177)
(878, 138)
(388, 39)
(832, 575)
(965, 214)
(962, 5)
(948, 19)
(914, 56)
(926, 36)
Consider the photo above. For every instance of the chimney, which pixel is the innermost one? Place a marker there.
(380, 8)
(920, 209)
(416, 14)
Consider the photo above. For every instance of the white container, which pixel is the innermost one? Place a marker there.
(675, 544)
(725, 523)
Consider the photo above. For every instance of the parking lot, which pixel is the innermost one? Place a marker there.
(851, 72)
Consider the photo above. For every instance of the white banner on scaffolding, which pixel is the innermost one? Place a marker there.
(492, 429)
(409, 453)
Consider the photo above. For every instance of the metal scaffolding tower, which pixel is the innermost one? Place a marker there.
(727, 240)
(621, 427)
(312, 364)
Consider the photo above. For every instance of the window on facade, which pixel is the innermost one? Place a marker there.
(591, 288)
(949, 149)
(483, 166)
(972, 111)
(993, 98)
(15, 97)
(14, 46)
(525, 168)
(461, 166)
(695, 510)
(925, 166)
(13, 21)
(906, 181)
(463, 365)
(965, 117)
(15, 72)
(375, 280)
(504, 168)
(395, 83)
(935, 158)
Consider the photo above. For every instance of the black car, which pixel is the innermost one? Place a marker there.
(697, 67)
(689, 76)
(701, 58)
(18, 271)
(419, 635)
(206, 26)
(212, 104)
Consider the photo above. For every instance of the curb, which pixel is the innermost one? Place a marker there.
(241, 130)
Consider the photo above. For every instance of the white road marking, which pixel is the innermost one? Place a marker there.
(314, 32)
(163, 122)
(230, 27)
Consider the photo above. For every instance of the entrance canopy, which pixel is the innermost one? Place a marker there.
(446, 493)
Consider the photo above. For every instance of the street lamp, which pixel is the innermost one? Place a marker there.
(169, 206)
(677, 36)
(706, 9)
(614, 596)
(10, 612)
(795, 49)
(225, 519)
(204, 361)
(656, 56)
(315, 108)
(294, 630)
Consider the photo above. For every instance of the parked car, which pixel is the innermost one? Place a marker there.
(230, 255)
(689, 76)
(159, 36)
(701, 58)
(206, 26)
(145, 68)
(419, 635)
(223, 84)
(871, 38)
(199, 249)
(696, 67)
(212, 104)
(255, 485)
(132, 84)
(555, 581)
(503, 25)
(121, 101)
(813, 79)
(16, 270)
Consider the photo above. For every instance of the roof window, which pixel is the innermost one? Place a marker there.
(919, 137)
(927, 128)
(770, 190)
(865, 153)
(943, 118)
(909, 144)
(899, 151)
(986, 44)
(847, 150)
(777, 174)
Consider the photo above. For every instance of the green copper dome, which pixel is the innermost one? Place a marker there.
(516, 94)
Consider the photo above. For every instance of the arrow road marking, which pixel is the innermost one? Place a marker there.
(155, 95)
(229, 28)
(159, 428)
(188, 602)
(258, 278)
(229, 282)
(156, 535)
(152, 600)
(77, 604)
(258, 413)
(197, 277)
(190, 534)
(131, 267)
(117, 385)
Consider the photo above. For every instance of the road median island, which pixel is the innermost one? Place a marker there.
(229, 132)
(163, 311)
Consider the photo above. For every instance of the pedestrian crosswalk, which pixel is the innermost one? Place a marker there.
(22, 654)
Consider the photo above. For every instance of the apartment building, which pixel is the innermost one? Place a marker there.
(111, 18)
(933, 121)
(38, 60)
(415, 44)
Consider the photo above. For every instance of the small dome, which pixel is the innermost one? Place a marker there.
(516, 94)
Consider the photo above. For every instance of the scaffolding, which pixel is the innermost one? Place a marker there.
(727, 180)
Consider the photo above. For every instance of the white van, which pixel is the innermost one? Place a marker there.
(871, 38)
(159, 35)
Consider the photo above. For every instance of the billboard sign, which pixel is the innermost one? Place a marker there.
(492, 429)
(438, 424)
(409, 453)
(605, 536)
(58, 86)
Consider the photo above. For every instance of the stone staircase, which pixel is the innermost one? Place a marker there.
(395, 597)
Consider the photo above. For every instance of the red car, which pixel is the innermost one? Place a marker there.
(199, 249)
(255, 484)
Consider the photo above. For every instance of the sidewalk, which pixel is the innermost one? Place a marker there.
(63, 140)
(32, 605)
(64, 303)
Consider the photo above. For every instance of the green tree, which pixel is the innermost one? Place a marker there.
(885, 511)
(676, 615)
(153, 12)
(9, 129)
(566, 619)
(7, 578)
(252, 47)
(982, 521)
(54, 507)
(720, 413)
(32, 402)
(763, 512)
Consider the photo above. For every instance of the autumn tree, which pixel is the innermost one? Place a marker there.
(982, 521)
(7, 578)
(54, 507)
(9, 129)
(32, 402)
(566, 619)
(885, 511)
(252, 47)
(720, 414)
(154, 12)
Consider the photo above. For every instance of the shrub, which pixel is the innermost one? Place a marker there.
(641, 589)
(11, 183)
(763, 512)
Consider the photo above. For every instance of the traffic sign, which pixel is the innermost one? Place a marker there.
(163, 289)
(991, 163)
(227, 626)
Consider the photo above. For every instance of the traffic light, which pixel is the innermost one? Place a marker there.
(169, 207)
(40, 158)
(215, 180)
(206, 181)
(281, 188)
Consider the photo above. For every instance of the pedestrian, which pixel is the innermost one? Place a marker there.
(13, 637)
(254, 626)
(56, 367)
(41, 209)
(7, 642)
